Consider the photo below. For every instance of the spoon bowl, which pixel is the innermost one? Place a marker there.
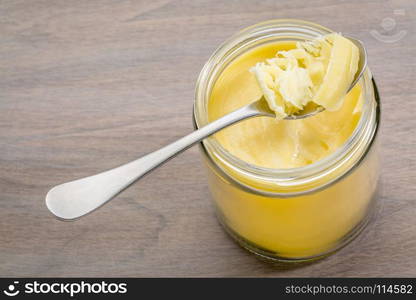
(362, 65)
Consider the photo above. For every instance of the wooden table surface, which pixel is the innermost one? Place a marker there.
(88, 85)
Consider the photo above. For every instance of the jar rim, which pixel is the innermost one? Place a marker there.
(285, 29)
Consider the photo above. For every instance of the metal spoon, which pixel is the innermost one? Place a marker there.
(76, 198)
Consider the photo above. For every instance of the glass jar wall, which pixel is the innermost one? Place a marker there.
(294, 213)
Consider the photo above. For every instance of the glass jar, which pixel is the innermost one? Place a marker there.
(290, 214)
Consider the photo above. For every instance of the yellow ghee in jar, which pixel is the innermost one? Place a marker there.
(298, 226)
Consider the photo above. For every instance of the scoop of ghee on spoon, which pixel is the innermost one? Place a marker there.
(316, 75)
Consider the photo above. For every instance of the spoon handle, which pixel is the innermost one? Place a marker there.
(76, 198)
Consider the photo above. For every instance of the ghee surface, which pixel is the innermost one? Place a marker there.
(271, 143)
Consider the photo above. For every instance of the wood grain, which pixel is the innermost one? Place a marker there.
(88, 85)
